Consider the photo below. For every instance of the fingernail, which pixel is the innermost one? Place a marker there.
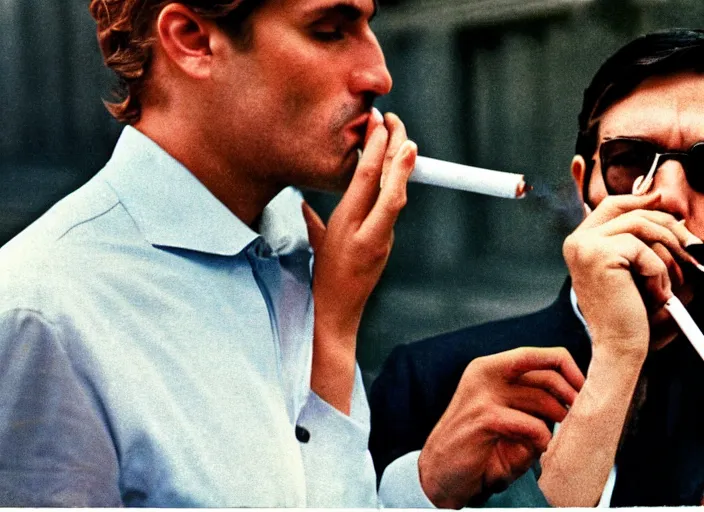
(377, 115)
(692, 240)
(359, 154)
(636, 186)
(405, 149)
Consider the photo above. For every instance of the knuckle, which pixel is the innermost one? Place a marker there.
(609, 203)
(476, 367)
(563, 353)
(520, 353)
(376, 253)
(581, 250)
(570, 247)
(489, 414)
(367, 172)
(398, 202)
(483, 362)
(389, 157)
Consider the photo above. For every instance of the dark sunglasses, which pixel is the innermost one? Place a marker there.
(628, 165)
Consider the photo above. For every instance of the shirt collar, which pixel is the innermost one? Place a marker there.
(172, 208)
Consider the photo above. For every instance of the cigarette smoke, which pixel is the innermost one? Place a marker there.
(561, 199)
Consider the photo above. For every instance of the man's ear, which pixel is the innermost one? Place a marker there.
(579, 174)
(185, 39)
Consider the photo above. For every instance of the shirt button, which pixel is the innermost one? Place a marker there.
(302, 434)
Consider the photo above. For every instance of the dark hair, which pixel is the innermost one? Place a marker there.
(657, 54)
(125, 37)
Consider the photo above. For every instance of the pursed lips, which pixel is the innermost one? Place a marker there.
(357, 130)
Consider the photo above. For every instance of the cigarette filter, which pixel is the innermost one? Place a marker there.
(472, 179)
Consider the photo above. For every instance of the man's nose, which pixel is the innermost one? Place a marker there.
(371, 76)
(671, 181)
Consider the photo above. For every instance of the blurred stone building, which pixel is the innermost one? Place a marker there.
(493, 83)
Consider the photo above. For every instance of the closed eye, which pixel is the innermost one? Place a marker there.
(333, 23)
(326, 34)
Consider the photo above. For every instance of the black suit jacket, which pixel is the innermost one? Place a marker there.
(662, 463)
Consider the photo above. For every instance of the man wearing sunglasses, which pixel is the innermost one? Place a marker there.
(634, 435)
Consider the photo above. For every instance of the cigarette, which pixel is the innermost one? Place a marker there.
(471, 179)
(686, 323)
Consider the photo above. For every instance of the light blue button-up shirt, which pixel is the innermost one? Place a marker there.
(156, 351)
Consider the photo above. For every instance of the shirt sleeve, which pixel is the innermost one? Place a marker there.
(400, 488)
(524, 492)
(336, 452)
(400, 484)
(55, 448)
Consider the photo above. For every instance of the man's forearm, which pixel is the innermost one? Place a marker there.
(580, 456)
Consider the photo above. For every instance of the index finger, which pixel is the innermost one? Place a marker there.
(551, 382)
(525, 359)
(392, 198)
(613, 206)
(362, 193)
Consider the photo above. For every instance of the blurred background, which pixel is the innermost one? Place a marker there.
(493, 83)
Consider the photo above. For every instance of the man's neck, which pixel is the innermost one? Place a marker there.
(239, 189)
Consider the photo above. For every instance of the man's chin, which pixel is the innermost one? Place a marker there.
(663, 330)
(334, 177)
(342, 178)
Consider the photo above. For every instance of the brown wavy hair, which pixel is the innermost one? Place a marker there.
(125, 37)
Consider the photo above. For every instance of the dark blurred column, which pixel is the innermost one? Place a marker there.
(45, 28)
(12, 90)
(88, 82)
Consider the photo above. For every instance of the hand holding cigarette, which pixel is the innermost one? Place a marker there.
(471, 179)
(626, 261)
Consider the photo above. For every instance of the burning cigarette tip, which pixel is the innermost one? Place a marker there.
(522, 189)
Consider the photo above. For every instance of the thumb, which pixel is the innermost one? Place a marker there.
(315, 225)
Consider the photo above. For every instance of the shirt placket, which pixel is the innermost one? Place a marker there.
(285, 284)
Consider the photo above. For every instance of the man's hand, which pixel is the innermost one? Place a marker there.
(351, 253)
(624, 260)
(494, 428)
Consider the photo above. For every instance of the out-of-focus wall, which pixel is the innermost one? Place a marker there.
(498, 84)
(494, 83)
(54, 130)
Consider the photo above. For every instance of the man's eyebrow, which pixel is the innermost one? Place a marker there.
(347, 10)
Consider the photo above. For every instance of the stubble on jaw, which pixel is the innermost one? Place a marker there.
(336, 160)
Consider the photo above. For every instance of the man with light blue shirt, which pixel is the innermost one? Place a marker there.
(165, 336)
(159, 343)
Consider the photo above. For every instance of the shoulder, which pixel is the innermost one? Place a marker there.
(63, 250)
